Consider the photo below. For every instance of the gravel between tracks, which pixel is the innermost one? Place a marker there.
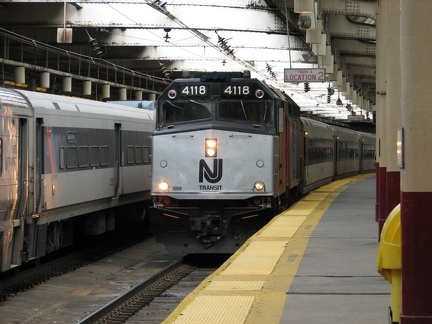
(73, 296)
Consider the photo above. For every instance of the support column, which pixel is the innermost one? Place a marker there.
(381, 88)
(416, 177)
(392, 105)
(138, 95)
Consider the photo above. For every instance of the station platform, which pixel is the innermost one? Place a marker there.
(313, 263)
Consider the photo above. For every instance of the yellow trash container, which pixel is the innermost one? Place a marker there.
(389, 259)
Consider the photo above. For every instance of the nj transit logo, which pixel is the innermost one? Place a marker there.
(212, 176)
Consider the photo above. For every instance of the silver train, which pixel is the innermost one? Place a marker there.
(229, 152)
(67, 165)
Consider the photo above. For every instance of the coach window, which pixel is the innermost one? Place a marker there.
(71, 137)
(146, 154)
(104, 155)
(369, 154)
(83, 157)
(94, 156)
(130, 154)
(62, 162)
(138, 154)
(71, 157)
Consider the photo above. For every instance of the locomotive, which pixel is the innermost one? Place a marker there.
(67, 165)
(229, 152)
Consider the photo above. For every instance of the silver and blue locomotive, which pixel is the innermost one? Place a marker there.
(218, 158)
(229, 152)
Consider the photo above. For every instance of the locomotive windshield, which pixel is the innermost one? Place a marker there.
(185, 110)
(243, 104)
(256, 114)
(245, 110)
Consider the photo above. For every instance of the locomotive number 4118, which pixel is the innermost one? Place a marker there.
(236, 90)
(194, 90)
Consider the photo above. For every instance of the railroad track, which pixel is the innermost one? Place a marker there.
(130, 285)
(128, 304)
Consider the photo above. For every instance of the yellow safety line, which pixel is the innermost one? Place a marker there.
(252, 285)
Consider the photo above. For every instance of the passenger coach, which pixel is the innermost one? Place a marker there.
(68, 167)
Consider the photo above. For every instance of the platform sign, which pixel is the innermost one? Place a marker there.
(355, 117)
(304, 75)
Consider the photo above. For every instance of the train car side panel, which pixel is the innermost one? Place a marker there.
(319, 159)
(294, 152)
(62, 158)
(136, 146)
(367, 163)
(12, 166)
(348, 153)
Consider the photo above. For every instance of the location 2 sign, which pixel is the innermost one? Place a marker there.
(304, 75)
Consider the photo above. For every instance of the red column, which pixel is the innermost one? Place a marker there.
(416, 257)
(392, 190)
(416, 176)
(377, 190)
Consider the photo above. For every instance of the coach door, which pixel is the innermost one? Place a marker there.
(38, 182)
(336, 156)
(117, 161)
(361, 155)
(22, 183)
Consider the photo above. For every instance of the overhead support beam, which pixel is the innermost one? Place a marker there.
(340, 26)
(362, 71)
(366, 9)
(181, 38)
(355, 47)
(145, 16)
(360, 61)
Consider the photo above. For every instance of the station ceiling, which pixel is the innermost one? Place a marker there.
(144, 45)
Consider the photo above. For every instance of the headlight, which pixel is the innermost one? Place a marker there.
(163, 186)
(211, 147)
(259, 186)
